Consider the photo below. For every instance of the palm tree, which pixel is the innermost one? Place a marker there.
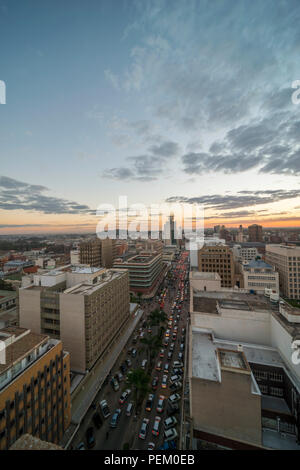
(139, 379)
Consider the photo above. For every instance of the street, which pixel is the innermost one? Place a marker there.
(128, 427)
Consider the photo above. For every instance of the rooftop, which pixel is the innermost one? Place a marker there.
(212, 302)
(29, 442)
(258, 264)
(195, 274)
(90, 286)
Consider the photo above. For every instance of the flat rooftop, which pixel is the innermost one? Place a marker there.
(138, 259)
(195, 274)
(29, 442)
(88, 287)
(210, 302)
(23, 343)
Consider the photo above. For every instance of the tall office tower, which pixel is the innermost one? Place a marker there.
(34, 387)
(169, 231)
(286, 260)
(240, 235)
(96, 252)
(217, 259)
(255, 233)
(86, 308)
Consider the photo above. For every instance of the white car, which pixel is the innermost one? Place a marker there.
(144, 427)
(170, 422)
(174, 398)
(170, 434)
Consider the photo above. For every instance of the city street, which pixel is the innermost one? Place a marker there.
(128, 427)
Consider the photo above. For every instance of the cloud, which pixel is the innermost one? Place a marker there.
(241, 199)
(18, 195)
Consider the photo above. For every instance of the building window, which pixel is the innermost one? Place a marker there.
(276, 392)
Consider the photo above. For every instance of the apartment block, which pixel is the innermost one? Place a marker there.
(84, 307)
(286, 260)
(34, 387)
(242, 253)
(145, 271)
(217, 259)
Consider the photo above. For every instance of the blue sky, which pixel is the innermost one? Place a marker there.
(158, 100)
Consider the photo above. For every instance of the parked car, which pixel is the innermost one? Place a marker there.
(115, 384)
(174, 398)
(158, 366)
(162, 353)
(166, 367)
(170, 434)
(177, 364)
(80, 446)
(174, 378)
(90, 438)
(134, 353)
(104, 408)
(170, 422)
(128, 362)
(151, 446)
(144, 428)
(169, 355)
(144, 364)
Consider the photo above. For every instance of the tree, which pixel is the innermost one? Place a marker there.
(139, 379)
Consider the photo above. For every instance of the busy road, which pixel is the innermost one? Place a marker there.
(113, 421)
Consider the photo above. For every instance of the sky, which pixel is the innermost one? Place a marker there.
(160, 101)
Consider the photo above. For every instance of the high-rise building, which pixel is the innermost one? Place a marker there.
(217, 259)
(96, 252)
(255, 233)
(34, 387)
(84, 307)
(286, 260)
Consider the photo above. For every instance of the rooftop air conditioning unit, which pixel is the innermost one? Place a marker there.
(240, 348)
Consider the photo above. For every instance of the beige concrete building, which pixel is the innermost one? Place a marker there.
(286, 260)
(34, 387)
(217, 259)
(244, 380)
(259, 276)
(84, 307)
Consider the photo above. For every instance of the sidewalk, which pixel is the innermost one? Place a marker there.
(94, 380)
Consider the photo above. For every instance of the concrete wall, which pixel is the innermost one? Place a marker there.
(72, 329)
(227, 408)
(29, 309)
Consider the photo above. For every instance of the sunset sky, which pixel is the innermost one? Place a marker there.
(161, 101)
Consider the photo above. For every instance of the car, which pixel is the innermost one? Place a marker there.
(172, 346)
(104, 408)
(123, 368)
(115, 384)
(160, 404)
(158, 365)
(166, 367)
(97, 420)
(174, 336)
(151, 446)
(80, 446)
(156, 426)
(124, 396)
(167, 334)
(149, 402)
(175, 386)
(169, 355)
(135, 339)
(170, 422)
(129, 408)
(128, 362)
(134, 353)
(149, 330)
(115, 418)
(180, 356)
(174, 378)
(120, 377)
(90, 438)
(174, 398)
(154, 383)
(177, 365)
(164, 381)
(177, 372)
(170, 434)
(162, 353)
(142, 335)
(144, 428)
